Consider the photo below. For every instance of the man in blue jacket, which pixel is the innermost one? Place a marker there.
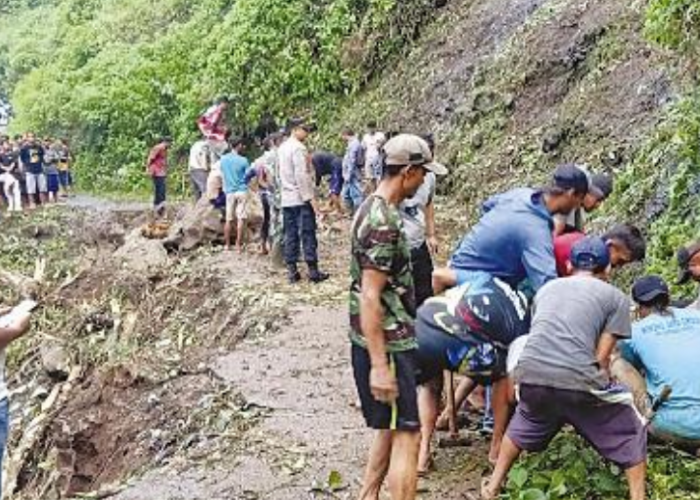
(513, 239)
(512, 242)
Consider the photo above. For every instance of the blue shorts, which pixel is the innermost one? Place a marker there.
(52, 183)
(65, 177)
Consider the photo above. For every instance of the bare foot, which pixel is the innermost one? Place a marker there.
(487, 493)
(442, 423)
(425, 466)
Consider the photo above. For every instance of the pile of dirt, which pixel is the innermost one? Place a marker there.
(115, 376)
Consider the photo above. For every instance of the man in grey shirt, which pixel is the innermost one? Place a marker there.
(563, 373)
(352, 171)
(418, 217)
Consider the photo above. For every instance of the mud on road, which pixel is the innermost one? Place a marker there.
(201, 375)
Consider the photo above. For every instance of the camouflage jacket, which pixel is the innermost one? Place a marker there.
(378, 242)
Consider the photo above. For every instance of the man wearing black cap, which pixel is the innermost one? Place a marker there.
(689, 267)
(563, 372)
(298, 203)
(664, 346)
(600, 187)
(513, 239)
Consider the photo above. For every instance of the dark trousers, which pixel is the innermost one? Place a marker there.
(265, 230)
(299, 229)
(158, 191)
(422, 264)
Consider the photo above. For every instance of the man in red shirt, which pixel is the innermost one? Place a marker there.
(625, 242)
(212, 123)
(157, 168)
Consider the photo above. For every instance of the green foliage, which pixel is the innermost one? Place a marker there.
(572, 470)
(113, 75)
(675, 24)
(660, 188)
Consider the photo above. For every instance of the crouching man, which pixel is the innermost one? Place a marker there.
(664, 347)
(563, 372)
(468, 331)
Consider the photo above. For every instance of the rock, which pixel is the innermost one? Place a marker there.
(141, 254)
(203, 224)
(55, 360)
(552, 140)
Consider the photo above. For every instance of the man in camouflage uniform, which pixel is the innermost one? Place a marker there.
(382, 309)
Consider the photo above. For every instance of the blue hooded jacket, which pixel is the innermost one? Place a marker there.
(512, 240)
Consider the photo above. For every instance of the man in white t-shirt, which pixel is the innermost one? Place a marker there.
(199, 167)
(372, 143)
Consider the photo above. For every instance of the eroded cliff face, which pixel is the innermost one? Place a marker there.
(512, 87)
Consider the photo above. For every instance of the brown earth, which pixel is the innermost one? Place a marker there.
(207, 377)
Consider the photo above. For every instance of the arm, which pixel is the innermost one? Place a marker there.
(382, 381)
(301, 175)
(348, 164)
(151, 156)
(538, 259)
(606, 345)
(430, 232)
(431, 237)
(12, 332)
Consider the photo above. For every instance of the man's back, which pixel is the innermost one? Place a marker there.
(233, 170)
(570, 314)
(666, 347)
(512, 240)
(198, 156)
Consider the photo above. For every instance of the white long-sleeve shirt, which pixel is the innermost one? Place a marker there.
(296, 177)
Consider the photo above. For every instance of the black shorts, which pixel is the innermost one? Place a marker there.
(401, 415)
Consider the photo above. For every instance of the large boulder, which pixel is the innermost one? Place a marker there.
(203, 224)
(142, 254)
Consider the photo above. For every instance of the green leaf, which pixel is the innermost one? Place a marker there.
(533, 494)
(335, 481)
(518, 477)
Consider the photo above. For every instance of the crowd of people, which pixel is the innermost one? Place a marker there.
(280, 186)
(34, 172)
(524, 311)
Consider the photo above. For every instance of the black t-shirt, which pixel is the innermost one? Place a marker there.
(33, 158)
(323, 163)
(483, 307)
(8, 159)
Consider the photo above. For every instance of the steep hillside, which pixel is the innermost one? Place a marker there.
(511, 87)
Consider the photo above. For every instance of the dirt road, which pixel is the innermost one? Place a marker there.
(302, 374)
(297, 380)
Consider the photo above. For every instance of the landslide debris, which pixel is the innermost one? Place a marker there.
(114, 376)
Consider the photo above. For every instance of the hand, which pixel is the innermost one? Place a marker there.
(432, 243)
(383, 384)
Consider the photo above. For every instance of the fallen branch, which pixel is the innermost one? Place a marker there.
(36, 429)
